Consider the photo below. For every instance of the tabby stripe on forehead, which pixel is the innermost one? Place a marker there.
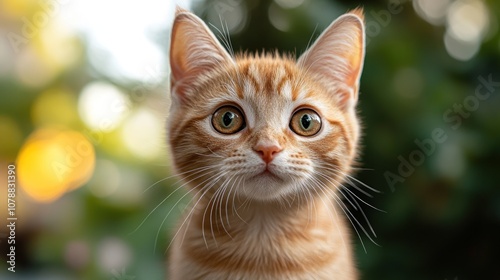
(239, 88)
(251, 76)
(269, 78)
(235, 86)
(281, 84)
(286, 77)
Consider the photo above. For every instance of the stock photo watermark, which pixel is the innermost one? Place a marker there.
(11, 217)
(73, 159)
(453, 118)
(382, 18)
(32, 25)
(137, 94)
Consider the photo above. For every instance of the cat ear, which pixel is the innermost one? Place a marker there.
(194, 51)
(337, 56)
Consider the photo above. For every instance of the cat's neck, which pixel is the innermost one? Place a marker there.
(228, 214)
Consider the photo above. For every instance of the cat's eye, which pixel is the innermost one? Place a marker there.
(305, 122)
(228, 120)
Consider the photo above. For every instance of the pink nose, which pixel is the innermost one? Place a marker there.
(267, 153)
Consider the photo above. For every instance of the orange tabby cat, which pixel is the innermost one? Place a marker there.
(264, 143)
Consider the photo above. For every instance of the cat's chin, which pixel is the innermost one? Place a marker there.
(266, 186)
(268, 176)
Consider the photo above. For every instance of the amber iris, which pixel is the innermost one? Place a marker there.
(228, 120)
(305, 122)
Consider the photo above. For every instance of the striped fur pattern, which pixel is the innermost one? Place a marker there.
(263, 197)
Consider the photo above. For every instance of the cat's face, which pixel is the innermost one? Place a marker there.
(264, 127)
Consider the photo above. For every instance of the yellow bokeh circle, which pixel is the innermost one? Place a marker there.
(53, 161)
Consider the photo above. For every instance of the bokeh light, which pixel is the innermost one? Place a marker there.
(143, 133)
(433, 11)
(16, 8)
(229, 16)
(278, 18)
(122, 45)
(52, 162)
(468, 20)
(460, 49)
(114, 254)
(58, 46)
(467, 24)
(289, 4)
(102, 106)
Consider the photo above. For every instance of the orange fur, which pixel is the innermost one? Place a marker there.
(256, 217)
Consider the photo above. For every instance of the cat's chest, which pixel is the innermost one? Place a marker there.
(262, 244)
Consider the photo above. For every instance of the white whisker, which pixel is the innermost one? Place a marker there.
(165, 199)
(205, 189)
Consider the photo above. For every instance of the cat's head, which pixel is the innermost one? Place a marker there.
(264, 126)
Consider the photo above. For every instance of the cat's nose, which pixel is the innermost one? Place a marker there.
(267, 152)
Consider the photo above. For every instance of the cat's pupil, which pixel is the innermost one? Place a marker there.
(305, 121)
(228, 118)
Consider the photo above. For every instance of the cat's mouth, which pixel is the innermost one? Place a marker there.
(265, 185)
(269, 175)
(267, 172)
